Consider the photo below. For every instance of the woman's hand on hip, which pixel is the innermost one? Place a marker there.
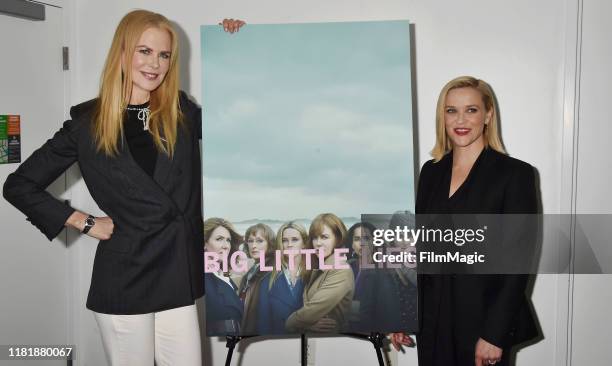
(102, 229)
(487, 353)
(232, 25)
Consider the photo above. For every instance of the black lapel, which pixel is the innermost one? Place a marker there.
(126, 163)
(439, 184)
(479, 178)
(163, 164)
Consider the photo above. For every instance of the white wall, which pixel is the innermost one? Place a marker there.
(592, 318)
(519, 47)
(34, 280)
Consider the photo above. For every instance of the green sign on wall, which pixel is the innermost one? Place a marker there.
(10, 139)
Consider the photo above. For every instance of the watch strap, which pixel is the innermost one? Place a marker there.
(90, 221)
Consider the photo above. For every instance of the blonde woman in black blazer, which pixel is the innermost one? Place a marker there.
(138, 152)
(475, 319)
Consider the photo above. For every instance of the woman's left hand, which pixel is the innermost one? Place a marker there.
(232, 25)
(487, 353)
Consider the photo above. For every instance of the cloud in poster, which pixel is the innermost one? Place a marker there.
(300, 119)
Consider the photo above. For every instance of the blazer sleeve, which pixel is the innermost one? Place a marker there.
(520, 198)
(333, 289)
(25, 188)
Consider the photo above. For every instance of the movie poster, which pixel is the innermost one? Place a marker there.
(306, 127)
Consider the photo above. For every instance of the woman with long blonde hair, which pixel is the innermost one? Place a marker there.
(471, 318)
(280, 292)
(138, 152)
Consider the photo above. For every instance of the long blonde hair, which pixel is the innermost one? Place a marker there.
(116, 87)
(491, 131)
(278, 245)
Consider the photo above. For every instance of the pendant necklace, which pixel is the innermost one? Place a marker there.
(143, 116)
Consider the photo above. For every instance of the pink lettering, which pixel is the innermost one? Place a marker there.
(322, 265)
(340, 258)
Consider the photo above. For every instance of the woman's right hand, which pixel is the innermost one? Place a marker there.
(232, 25)
(102, 230)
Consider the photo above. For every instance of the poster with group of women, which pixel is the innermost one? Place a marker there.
(306, 128)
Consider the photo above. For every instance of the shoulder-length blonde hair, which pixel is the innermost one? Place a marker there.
(278, 245)
(116, 87)
(491, 131)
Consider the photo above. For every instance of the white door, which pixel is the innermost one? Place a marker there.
(34, 285)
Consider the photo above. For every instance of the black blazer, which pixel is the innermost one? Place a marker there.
(492, 307)
(153, 261)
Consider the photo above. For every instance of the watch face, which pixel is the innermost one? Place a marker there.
(89, 221)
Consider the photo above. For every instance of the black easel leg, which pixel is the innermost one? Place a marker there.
(377, 341)
(304, 344)
(231, 344)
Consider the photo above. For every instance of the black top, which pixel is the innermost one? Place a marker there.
(139, 140)
(440, 325)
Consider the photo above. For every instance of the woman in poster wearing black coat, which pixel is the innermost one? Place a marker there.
(137, 147)
(475, 319)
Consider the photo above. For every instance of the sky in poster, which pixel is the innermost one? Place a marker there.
(300, 119)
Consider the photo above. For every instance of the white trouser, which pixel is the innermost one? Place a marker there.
(170, 337)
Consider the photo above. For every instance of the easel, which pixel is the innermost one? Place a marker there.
(375, 338)
(377, 341)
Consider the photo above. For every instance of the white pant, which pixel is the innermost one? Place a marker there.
(170, 337)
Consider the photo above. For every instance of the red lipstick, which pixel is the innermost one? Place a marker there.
(462, 131)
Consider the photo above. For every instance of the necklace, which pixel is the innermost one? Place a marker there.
(143, 116)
